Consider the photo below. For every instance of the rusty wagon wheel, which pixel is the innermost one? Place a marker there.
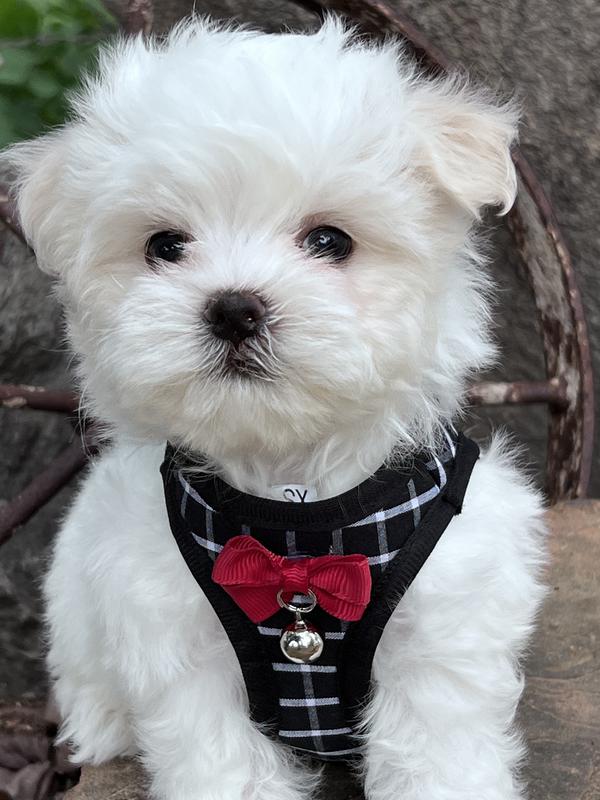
(567, 388)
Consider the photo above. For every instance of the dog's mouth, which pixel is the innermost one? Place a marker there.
(251, 359)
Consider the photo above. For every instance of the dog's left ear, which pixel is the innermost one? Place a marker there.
(466, 137)
(36, 167)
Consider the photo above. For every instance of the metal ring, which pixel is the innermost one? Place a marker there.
(298, 609)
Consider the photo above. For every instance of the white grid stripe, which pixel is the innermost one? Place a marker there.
(383, 558)
(451, 442)
(409, 505)
(192, 492)
(382, 540)
(313, 714)
(281, 667)
(335, 634)
(211, 546)
(269, 631)
(293, 702)
(184, 499)
(210, 537)
(265, 631)
(337, 542)
(333, 752)
(290, 542)
(448, 454)
(308, 734)
(413, 496)
(441, 471)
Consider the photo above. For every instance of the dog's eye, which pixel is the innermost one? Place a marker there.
(165, 246)
(328, 243)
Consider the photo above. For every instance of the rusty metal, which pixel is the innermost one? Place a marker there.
(42, 488)
(552, 392)
(568, 389)
(379, 18)
(8, 212)
(564, 334)
(21, 396)
(139, 17)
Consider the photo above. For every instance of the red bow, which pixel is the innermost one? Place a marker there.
(253, 576)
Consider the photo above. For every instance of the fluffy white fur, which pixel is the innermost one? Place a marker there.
(246, 141)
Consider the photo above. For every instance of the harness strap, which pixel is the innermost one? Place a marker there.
(362, 639)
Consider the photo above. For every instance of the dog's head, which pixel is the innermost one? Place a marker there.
(262, 240)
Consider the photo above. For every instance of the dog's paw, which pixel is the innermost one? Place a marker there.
(286, 780)
(94, 731)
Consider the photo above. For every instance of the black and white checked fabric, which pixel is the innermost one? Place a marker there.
(375, 519)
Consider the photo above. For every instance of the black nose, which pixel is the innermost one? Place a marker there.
(235, 315)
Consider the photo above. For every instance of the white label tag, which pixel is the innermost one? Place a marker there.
(294, 493)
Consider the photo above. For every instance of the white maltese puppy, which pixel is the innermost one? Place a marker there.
(262, 243)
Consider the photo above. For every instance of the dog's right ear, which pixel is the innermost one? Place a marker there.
(466, 135)
(36, 168)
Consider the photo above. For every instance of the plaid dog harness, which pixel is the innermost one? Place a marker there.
(393, 520)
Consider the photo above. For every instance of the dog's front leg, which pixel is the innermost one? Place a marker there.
(441, 737)
(198, 743)
(87, 688)
(446, 674)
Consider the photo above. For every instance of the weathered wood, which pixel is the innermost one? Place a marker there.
(121, 779)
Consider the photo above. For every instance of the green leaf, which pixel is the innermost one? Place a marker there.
(76, 16)
(35, 76)
(54, 111)
(25, 118)
(100, 12)
(43, 84)
(60, 25)
(7, 132)
(18, 19)
(7, 116)
(69, 62)
(16, 65)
